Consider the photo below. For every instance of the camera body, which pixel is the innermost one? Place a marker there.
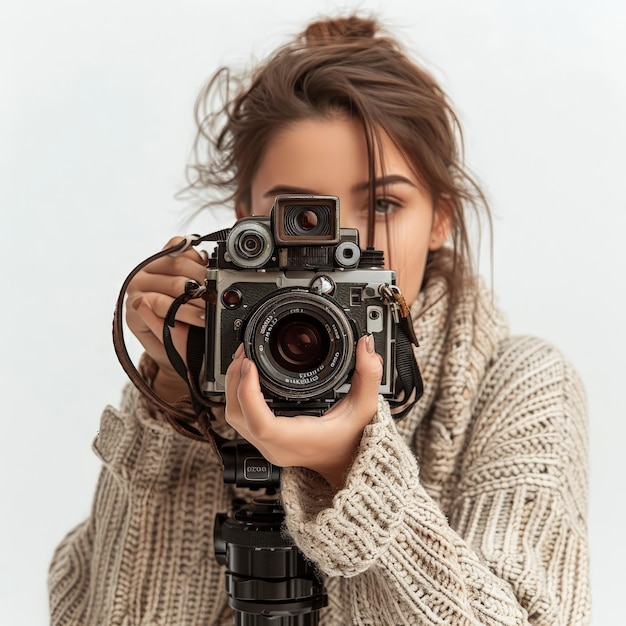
(299, 292)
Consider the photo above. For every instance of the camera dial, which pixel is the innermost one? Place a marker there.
(347, 254)
(250, 244)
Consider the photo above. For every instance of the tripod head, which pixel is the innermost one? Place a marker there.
(268, 580)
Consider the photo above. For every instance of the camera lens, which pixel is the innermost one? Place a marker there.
(302, 344)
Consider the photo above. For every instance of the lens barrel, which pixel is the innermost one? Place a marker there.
(302, 343)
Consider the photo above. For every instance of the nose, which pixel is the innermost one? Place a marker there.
(361, 226)
(350, 216)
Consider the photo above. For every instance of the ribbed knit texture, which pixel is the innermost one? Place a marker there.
(471, 510)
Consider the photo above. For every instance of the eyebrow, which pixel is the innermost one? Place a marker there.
(383, 181)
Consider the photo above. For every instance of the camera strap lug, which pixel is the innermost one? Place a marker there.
(399, 310)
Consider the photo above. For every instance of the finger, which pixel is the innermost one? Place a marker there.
(183, 265)
(233, 413)
(153, 323)
(191, 263)
(362, 399)
(233, 375)
(152, 344)
(261, 422)
(369, 364)
(191, 252)
(159, 304)
(170, 286)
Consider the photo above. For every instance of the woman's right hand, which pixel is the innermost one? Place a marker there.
(150, 295)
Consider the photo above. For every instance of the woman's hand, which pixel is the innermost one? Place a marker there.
(150, 295)
(324, 444)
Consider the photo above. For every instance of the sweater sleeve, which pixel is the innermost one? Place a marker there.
(145, 555)
(512, 549)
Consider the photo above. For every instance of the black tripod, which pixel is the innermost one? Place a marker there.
(268, 580)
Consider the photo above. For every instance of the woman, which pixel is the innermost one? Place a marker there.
(471, 509)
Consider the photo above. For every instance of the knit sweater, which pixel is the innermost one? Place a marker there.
(471, 510)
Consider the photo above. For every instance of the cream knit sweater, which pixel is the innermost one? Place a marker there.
(471, 510)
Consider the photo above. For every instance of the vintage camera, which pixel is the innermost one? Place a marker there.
(299, 292)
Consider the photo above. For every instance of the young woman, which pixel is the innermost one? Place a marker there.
(471, 509)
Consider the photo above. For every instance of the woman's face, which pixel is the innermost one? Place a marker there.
(329, 157)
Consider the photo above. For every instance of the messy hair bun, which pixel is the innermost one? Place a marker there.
(352, 27)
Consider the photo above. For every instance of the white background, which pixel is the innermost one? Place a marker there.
(96, 124)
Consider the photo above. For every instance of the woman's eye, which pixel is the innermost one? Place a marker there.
(384, 206)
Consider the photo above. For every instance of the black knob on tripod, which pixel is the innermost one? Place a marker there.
(268, 581)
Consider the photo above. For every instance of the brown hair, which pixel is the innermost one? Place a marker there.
(346, 65)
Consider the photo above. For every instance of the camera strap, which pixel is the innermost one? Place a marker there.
(192, 422)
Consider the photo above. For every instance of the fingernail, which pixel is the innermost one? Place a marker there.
(369, 343)
(245, 367)
(238, 351)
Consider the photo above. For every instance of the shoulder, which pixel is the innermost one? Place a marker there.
(530, 419)
(525, 367)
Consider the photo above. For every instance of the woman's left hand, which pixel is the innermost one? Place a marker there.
(324, 444)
